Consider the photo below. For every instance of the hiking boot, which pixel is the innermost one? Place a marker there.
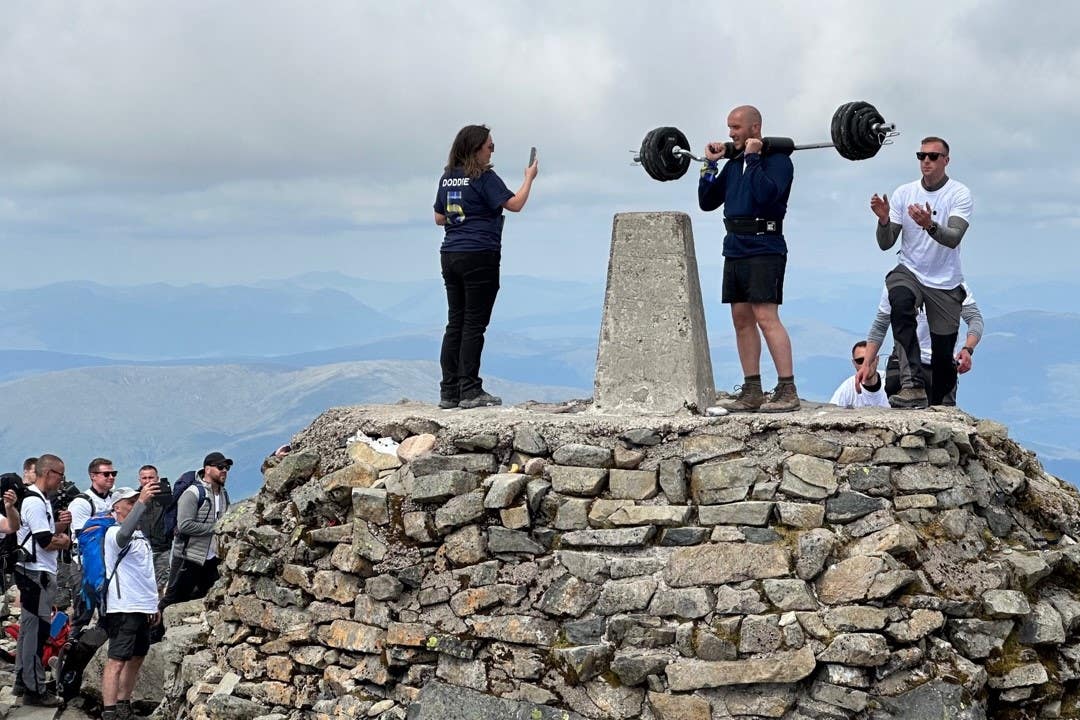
(124, 711)
(447, 404)
(785, 398)
(18, 689)
(484, 399)
(909, 398)
(750, 398)
(110, 715)
(40, 700)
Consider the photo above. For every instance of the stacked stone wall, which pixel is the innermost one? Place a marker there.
(521, 564)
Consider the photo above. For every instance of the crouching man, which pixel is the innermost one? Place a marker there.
(132, 606)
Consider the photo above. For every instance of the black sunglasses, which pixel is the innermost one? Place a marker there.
(932, 155)
(106, 473)
(224, 467)
(858, 361)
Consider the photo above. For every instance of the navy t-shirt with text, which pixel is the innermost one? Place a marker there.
(473, 210)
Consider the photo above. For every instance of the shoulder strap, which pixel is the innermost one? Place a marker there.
(29, 532)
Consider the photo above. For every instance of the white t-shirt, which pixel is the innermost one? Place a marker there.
(932, 263)
(133, 588)
(846, 397)
(81, 511)
(36, 516)
(922, 327)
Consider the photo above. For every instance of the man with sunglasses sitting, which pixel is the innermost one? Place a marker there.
(872, 392)
(194, 567)
(929, 216)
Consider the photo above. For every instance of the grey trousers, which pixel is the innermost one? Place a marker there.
(36, 593)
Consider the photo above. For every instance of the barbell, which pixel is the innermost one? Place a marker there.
(858, 131)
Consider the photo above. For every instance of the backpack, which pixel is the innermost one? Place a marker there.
(94, 590)
(9, 545)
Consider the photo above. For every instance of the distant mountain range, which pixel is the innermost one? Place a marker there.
(162, 373)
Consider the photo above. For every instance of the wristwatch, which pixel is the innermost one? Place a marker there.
(932, 229)
(970, 350)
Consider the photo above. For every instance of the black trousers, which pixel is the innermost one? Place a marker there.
(189, 580)
(472, 282)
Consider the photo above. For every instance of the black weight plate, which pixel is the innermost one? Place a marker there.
(834, 126)
(845, 147)
(656, 155)
(862, 137)
(648, 157)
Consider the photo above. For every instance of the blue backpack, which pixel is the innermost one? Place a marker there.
(95, 577)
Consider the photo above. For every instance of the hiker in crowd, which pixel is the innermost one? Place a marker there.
(469, 204)
(41, 536)
(753, 187)
(872, 393)
(153, 524)
(97, 500)
(28, 466)
(961, 362)
(132, 604)
(929, 216)
(194, 568)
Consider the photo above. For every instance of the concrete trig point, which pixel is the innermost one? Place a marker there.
(653, 356)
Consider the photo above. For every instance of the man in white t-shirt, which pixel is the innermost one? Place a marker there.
(930, 217)
(40, 537)
(872, 393)
(132, 606)
(98, 499)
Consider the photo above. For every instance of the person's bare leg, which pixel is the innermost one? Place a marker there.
(767, 317)
(127, 678)
(110, 681)
(747, 339)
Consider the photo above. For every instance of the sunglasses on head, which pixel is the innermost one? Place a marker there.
(932, 155)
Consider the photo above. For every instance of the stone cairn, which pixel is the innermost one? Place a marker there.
(512, 563)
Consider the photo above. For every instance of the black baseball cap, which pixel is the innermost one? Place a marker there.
(215, 459)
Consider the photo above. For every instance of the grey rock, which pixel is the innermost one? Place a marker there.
(584, 455)
(760, 634)
(460, 510)
(919, 625)
(383, 587)
(568, 596)
(535, 492)
(731, 601)
(570, 480)
(762, 535)
(814, 549)
(572, 513)
(584, 662)
(976, 639)
(620, 596)
(1005, 603)
(681, 536)
(528, 440)
(1027, 568)
(870, 524)
(293, 470)
(441, 485)
(438, 701)
(752, 512)
(845, 675)
(642, 436)
(501, 540)
(602, 508)
(467, 546)
(480, 442)
(933, 699)
(756, 701)
(789, 594)
(860, 649)
(419, 526)
(370, 504)
(721, 563)
(808, 477)
(1030, 674)
(672, 476)
(801, 515)
(919, 479)
(699, 448)
(505, 489)
(723, 482)
(460, 672)
(589, 630)
(623, 537)
(632, 484)
(844, 697)
(780, 667)
(482, 463)
(892, 455)
(659, 515)
(689, 603)
(626, 567)
(855, 618)
(806, 444)
(518, 629)
(875, 480)
(849, 580)
(632, 667)
(1043, 626)
(848, 506)
(591, 567)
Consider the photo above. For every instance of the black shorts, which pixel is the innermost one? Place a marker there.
(754, 279)
(129, 635)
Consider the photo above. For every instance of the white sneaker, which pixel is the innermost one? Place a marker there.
(716, 411)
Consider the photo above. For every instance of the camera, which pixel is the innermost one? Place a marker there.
(163, 486)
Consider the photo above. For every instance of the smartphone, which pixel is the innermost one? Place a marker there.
(532, 156)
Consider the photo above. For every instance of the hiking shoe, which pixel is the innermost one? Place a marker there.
(909, 398)
(46, 700)
(447, 404)
(124, 711)
(785, 398)
(484, 399)
(750, 398)
(18, 689)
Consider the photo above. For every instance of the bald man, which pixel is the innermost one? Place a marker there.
(753, 187)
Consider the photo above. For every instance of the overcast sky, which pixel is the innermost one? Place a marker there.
(234, 141)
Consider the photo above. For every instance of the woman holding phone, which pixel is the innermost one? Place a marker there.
(469, 205)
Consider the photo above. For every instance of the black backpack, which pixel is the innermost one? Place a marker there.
(9, 546)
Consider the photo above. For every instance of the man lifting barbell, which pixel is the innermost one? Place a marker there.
(753, 187)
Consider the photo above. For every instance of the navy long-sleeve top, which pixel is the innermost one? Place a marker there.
(760, 190)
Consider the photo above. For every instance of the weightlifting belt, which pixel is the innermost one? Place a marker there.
(754, 226)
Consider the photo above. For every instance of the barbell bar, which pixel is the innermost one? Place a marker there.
(858, 131)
